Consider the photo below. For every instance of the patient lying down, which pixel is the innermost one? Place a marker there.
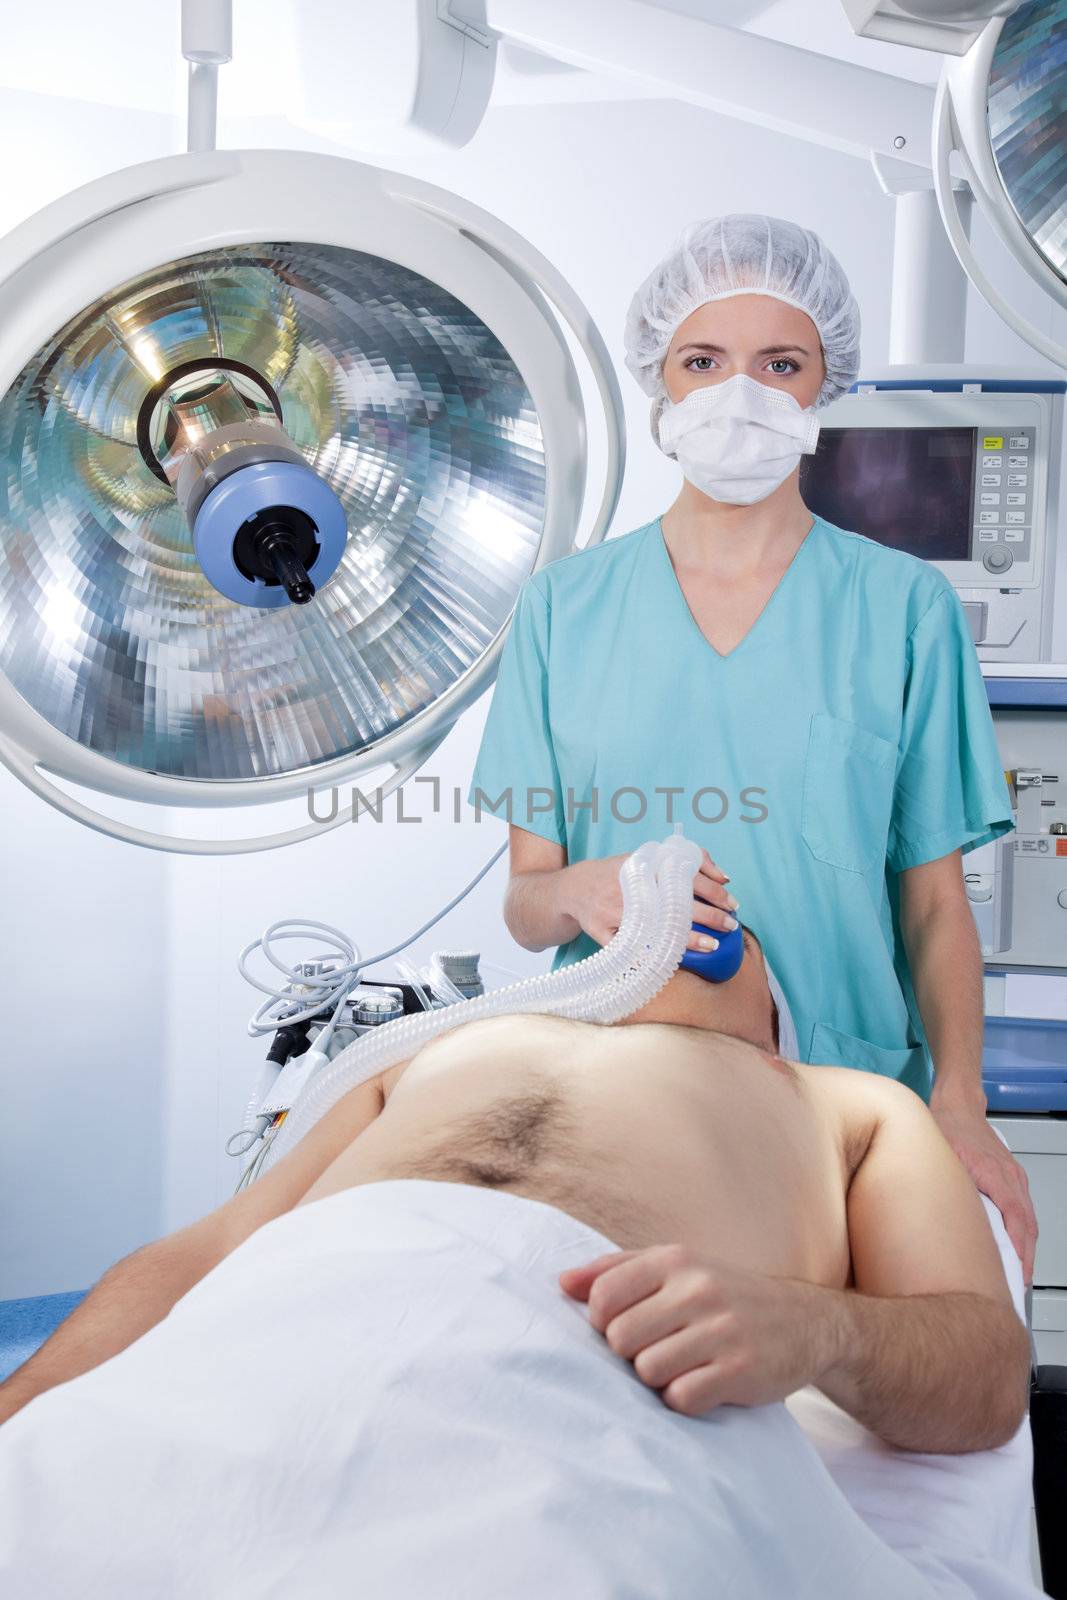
(751, 1170)
(779, 1225)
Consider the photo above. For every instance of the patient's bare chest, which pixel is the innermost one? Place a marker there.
(744, 1170)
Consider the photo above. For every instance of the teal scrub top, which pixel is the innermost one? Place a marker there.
(847, 737)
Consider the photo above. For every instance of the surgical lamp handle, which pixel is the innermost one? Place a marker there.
(26, 768)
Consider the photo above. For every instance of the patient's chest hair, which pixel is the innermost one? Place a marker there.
(520, 1133)
(501, 1144)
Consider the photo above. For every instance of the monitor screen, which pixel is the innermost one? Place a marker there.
(911, 488)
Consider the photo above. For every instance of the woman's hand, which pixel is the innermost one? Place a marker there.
(706, 1334)
(995, 1172)
(592, 894)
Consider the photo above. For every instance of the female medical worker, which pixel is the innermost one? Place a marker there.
(807, 702)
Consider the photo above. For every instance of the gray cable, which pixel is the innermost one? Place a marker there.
(328, 988)
(324, 990)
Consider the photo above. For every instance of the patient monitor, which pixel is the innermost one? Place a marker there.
(961, 466)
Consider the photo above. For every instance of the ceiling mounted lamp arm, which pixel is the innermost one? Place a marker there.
(207, 44)
(833, 103)
(26, 767)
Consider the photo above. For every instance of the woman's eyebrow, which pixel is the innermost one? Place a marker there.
(771, 350)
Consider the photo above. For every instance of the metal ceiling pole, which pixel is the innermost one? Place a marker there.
(207, 44)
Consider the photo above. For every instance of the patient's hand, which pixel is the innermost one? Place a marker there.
(704, 1333)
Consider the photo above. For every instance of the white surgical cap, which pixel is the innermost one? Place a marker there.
(743, 254)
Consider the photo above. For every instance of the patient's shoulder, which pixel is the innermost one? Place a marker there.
(852, 1086)
(858, 1103)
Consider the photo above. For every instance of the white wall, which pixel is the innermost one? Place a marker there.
(86, 930)
(110, 1141)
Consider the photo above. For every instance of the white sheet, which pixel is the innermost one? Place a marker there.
(386, 1394)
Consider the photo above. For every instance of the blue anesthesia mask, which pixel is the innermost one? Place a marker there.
(716, 965)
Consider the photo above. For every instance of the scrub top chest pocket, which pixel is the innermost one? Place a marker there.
(831, 1047)
(847, 803)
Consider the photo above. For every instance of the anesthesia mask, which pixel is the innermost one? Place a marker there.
(719, 965)
(716, 965)
(737, 440)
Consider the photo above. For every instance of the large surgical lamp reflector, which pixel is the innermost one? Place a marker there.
(266, 501)
(1027, 118)
(1002, 109)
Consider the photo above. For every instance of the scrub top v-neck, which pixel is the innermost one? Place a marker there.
(684, 606)
(846, 737)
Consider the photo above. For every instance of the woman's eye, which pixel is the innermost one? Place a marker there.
(704, 364)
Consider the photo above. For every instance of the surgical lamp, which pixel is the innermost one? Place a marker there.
(1002, 109)
(281, 437)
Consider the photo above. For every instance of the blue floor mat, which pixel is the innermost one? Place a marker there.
(26, 1324)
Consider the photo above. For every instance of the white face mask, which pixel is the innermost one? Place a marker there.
(738, 440)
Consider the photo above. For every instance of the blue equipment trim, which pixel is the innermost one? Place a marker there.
(1024, 1064)
(1006, 693)
(955, 385)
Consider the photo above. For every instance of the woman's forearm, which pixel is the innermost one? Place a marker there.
(938, 1372)
(945, 959)
(534, 909)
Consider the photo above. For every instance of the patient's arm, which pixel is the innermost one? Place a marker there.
(139, 1290)
(931, 1354)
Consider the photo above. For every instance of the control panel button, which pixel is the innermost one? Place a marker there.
(1018, 480)
(1015, 516)
(1014, 535)
(1019, 441)
(998, 560)
(989, 498)
(1015, 499)
(993, 441)
(992, 461)
(988, 516)
(991, 480)
(1018, 461)
(988, 535)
